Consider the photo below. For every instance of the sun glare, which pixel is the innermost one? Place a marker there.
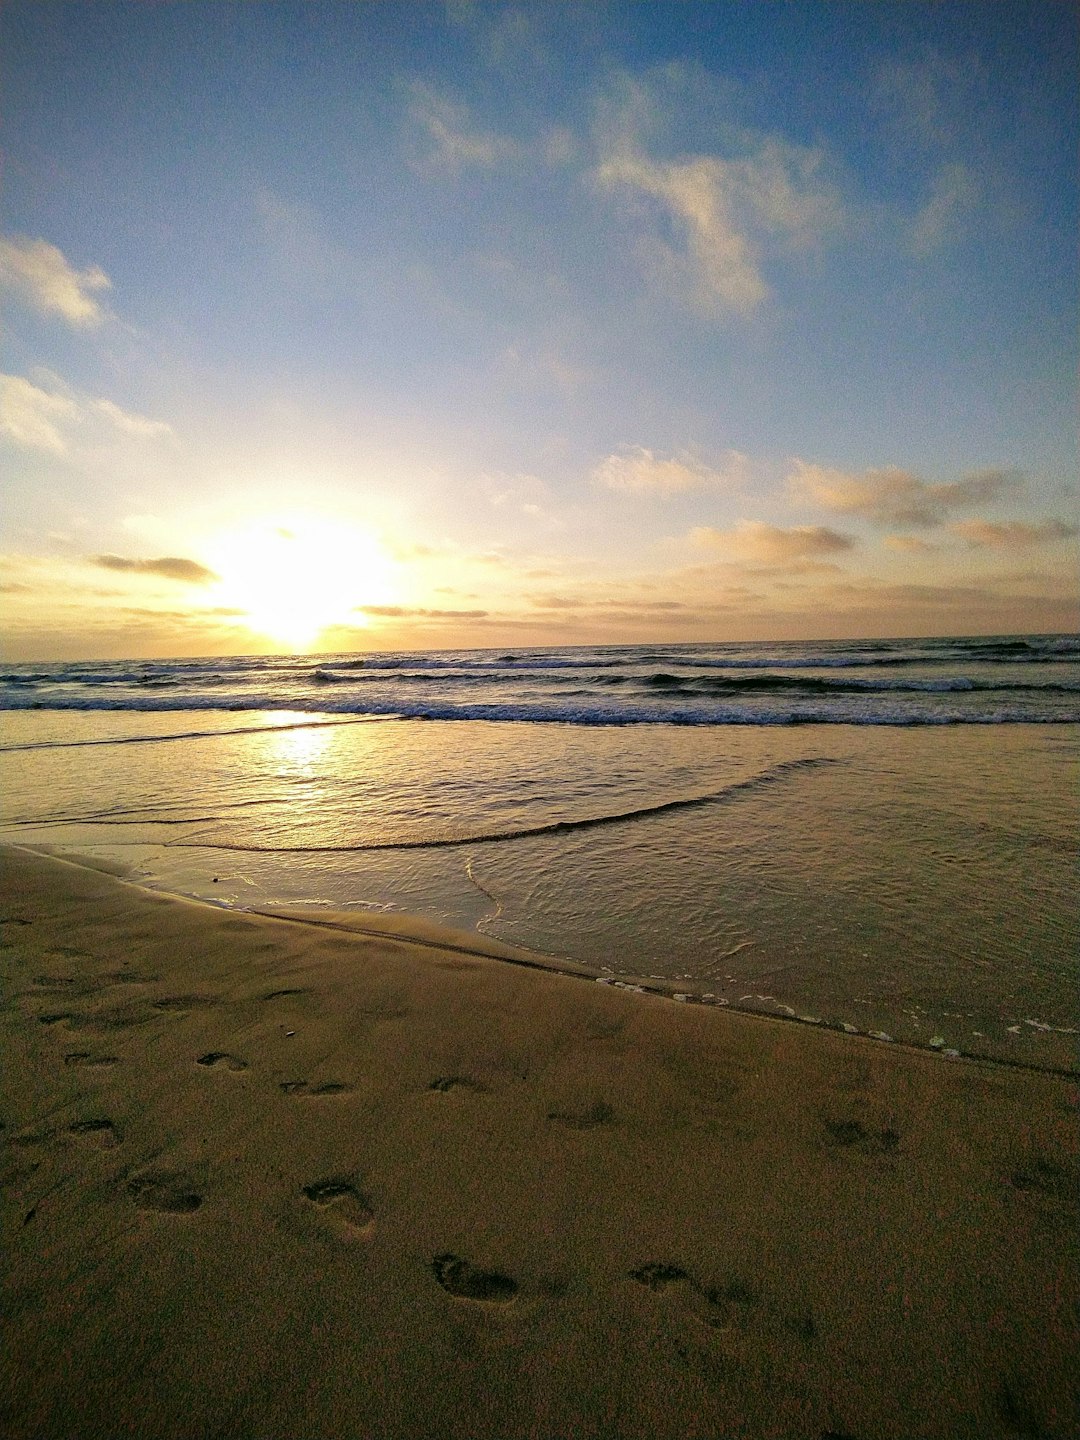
(295, 576)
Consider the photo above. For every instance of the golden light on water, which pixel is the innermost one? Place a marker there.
(295, 576)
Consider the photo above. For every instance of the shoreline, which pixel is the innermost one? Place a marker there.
(264, 1178)
(412, 928)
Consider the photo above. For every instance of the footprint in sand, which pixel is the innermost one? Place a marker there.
(171, 1003)
(465, 1282)
(165, 1191)
(1043, 1177)
(444, 1084)
(305, 1088)
(343, 1204)
(599, 1113)
(221, 1059)
(718, 1306)
(56, 1017)
(101, 1131)
(852, 1133)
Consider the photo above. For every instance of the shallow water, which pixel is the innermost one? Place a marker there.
(914, 881)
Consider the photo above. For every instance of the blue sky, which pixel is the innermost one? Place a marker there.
(481, 324)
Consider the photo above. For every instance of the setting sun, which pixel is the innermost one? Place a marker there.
(294, 576)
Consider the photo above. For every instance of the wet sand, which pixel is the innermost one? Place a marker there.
(273, 1179)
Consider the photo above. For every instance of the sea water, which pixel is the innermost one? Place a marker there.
(879, 836)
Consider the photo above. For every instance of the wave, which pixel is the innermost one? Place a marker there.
(191, 734)
(850, 685)
(772, 776)
(550, 712)
(836, 709)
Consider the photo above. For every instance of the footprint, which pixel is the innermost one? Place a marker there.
(83, 1057)
(165, 1191)
(803, 1326)
(718, 1306)
(725, 1304)
(457, 1277)
(599, 1113)
(304, 1087)
(853, 1133)
(343, 1202)
(656, 1275)
(443, 1084)
(102, 1132)
(170, 1003)
(220, 1057)
(1043, 1177)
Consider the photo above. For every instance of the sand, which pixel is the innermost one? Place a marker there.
(279, 1180)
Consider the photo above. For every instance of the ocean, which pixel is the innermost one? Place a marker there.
(878, 836)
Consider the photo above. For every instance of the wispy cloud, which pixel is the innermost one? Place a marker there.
(34, 418)
(41, 276)
(954, 193)
(637, 471)
(1013, 534)
(168, 567)
(891, 496)
(909, 544)
(922, 95)
(405, 612)
(451, 138)
(723, 208)
(759, 543)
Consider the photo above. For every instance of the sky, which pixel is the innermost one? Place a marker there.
(409, 326)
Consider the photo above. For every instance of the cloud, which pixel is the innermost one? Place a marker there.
(1013, 534)
(129, 423)
(31, 418)
(891, 496)
(601, 604)
(722, 209)
(402, 612)
(754, 541)
(925, 96)
(909, 544)
(36, 419)
(453, 139)
(170, 567)
(41, 276)
(953, 195)
(637, 471)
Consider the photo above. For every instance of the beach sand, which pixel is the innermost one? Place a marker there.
(280, 1180)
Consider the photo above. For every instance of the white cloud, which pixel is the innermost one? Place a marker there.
(42, 277)
(131, 424)
(637, 471)
(723, 209)
(33, 418)
(758, 543)
(454, 139)
(1013, 534)
(954, 193)
(891, 496)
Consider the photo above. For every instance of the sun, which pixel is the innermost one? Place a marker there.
(294, 576)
